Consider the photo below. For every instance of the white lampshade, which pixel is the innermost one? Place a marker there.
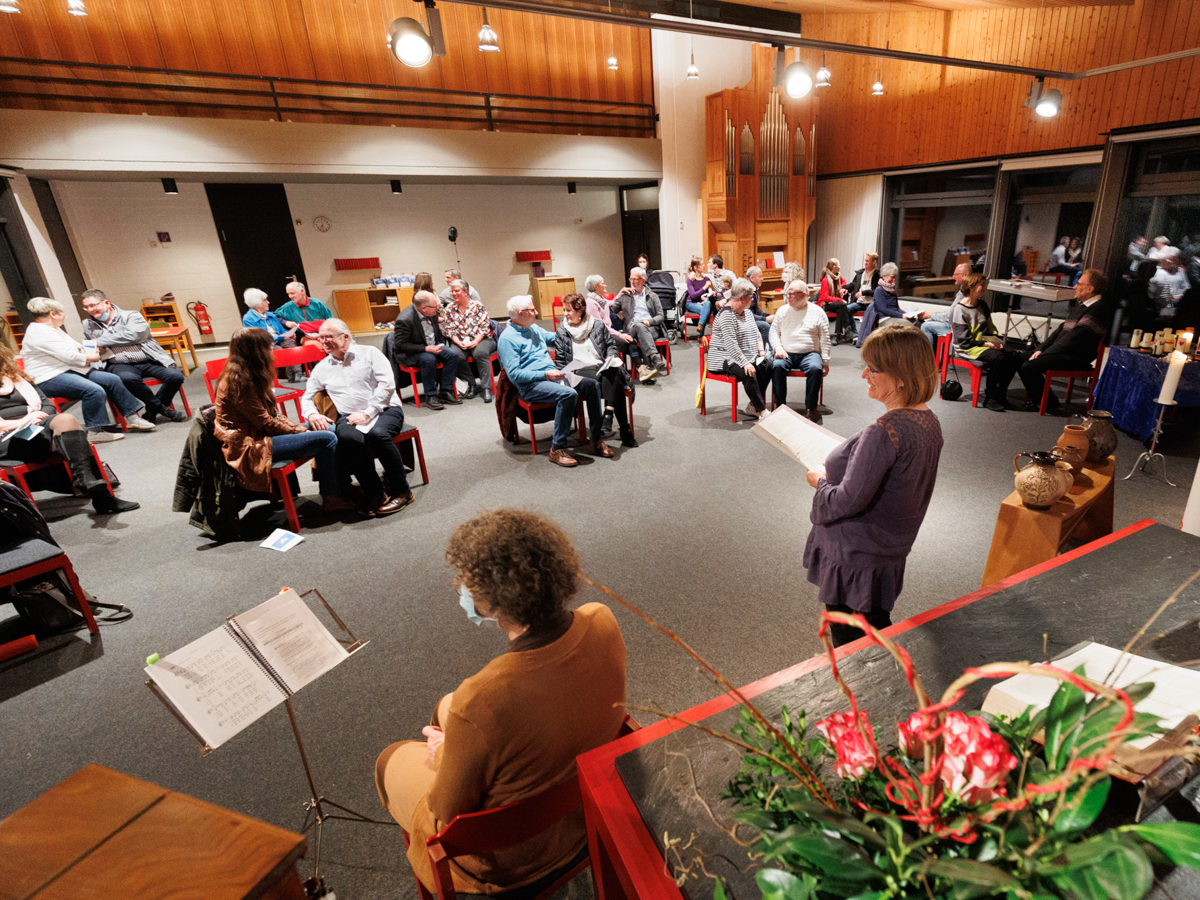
(612, 63)
(822, 77)
(1049, 104)
(76, 8)
(797, 80)
(693, 73)
(877, 88)
(9, 6)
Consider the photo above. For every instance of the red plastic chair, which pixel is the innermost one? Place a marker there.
(555, 304)
(531, 408)
(472, 834)
(51, 559)
(279, 477)
(946, 358)
(152, 382)
(412, 434)
(798, 373)
(212, 374)
(306, 356)
(1071, 374)
(14, 472)
(713, 376)
(60, 403)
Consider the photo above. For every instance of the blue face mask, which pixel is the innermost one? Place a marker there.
(467, 602)
(106, 316)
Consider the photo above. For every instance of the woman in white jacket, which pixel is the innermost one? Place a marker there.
(62, 367)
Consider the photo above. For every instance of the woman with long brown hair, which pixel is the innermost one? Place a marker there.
(423, 281)
(253, 435)
(831, 297)
(40, 430)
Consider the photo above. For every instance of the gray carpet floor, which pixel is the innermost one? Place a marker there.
(702, 526)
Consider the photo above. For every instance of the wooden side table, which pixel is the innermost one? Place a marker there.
(1025, 537)
(104, 835)
(177, 340)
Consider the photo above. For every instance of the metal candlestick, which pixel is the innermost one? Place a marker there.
(1148, 456)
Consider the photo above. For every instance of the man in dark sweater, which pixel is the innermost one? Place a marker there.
(1073, 344)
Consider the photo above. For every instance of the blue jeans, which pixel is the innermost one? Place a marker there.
(565, 398)
(701, 309)
(93, 390)
(934, 330)
(448, 357)
(812, 367)
(320, 445)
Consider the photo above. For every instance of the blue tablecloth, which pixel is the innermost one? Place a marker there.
(1131, 382)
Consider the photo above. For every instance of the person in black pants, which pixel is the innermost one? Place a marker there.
(976, 338)
(419, 342)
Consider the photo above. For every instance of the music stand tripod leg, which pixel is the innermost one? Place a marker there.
(1148, 456)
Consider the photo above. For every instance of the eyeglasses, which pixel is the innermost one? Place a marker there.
(873, 371)
(330, 338)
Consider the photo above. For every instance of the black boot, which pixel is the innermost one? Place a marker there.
(627, 439)
(85, 473)
(471, 390)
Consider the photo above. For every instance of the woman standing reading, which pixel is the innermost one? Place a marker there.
(874, 488)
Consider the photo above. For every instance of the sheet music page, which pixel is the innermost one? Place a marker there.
(292, 639)
(216, 685)
(805, 441)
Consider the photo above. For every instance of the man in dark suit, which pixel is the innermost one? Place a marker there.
(419, 342)
(861, 291)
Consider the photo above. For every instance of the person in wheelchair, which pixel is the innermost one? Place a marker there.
(513, 730)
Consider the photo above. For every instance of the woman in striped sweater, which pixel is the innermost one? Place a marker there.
(736, 348)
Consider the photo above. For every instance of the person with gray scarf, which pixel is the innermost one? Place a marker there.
(584, 339)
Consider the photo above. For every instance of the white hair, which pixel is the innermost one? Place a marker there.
(592, 282)
(754, 270)
(337, 325)
(43, 306)
(800, 286)
(254, 297)
(889, 269)
(459, 282)
(296, 284)
(741, 287)
(517, 302)
(792, 271)
(637, 270)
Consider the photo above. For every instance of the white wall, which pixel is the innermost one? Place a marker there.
(723, 64)
(1037, 228)
(957, 223)
(113, 227)
(408, 233)
(847, 223)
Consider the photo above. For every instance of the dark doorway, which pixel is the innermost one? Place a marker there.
(258, 238)
(639, 225)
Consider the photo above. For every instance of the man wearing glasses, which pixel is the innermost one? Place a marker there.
(527, 363)
(357, 379)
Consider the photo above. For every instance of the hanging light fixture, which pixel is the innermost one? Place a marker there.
(797, 80)
(411, 45)
(1046, 103)
(488, 42)
(9, 6)
(612, 59)
(76, 8)
(693, 74)
(823, 73)
(877, 87)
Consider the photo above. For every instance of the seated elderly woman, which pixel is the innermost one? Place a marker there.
(513, 730)
(466, 323)
(736, 348)
(259, 315)
(62, 367)
(800, 339)
(252, 433)
(40, 431)
(583, 341)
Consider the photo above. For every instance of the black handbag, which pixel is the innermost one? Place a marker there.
(951, 390)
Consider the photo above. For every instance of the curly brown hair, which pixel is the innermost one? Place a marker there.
(251, 364)
(575, 302)
(8, 365)
(520, 563)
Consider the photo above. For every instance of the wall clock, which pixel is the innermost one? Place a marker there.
(322, 224)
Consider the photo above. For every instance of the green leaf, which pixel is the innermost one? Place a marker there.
(777, 884)
(839, 821)
(974, 872)
(1179, 840)
(1066, 709)
(1078, 856)
(1082, 808)
(840, 858)
(1081, 884)
(1139, 692)
(1094, 732)
(719, 890)
(1126, 872)
(759, 818)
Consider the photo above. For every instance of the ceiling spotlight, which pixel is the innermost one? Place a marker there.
(488, 42)
(1049, 104)
(693, 73)
(397, 188)
(9, 6)
(822, 77)
(797, 80)
(76, 8)
(877, 87)
(612, 62)
(169, 186)
(409, 43)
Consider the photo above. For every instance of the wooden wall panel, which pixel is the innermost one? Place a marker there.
(330, 40)
(932, 114)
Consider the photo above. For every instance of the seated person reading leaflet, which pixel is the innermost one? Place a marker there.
(420, 343)
(975, 337)
(136, 356)
(642, 314)
(466, 323)
(303, 310)
(735, 347)
(600, 308)
(513, 730)
(357, 378)
(800, 340)
(527, 363)
(62, 367)
(584, 345)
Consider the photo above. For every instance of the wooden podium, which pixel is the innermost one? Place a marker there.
(103, 835)
(1025, 537)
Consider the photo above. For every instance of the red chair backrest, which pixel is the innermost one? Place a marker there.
(298, 356)
(609, 296)
(212, 373)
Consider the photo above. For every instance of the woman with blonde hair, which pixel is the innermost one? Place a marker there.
(39, 431)
(831, 297)
(874, 488)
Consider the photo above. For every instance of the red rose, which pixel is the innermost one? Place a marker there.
(855, 753)
(976, 762)
(920, 727)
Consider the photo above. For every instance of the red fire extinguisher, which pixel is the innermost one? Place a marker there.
(199, 313)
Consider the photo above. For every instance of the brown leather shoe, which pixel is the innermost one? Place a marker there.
(563, 458)
(601, 449)
(332, 503)
(395, 504)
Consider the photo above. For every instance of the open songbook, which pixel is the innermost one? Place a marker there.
(1175, 700)
(224, 681)
(804, 441)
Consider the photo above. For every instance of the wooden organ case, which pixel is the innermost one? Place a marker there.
(759, 194)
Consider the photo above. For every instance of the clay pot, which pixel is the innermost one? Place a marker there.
(1043, 482)
(1074, 458)
(1102, 437)
(1075, 436)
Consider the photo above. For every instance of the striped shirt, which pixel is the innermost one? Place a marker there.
(734, 340)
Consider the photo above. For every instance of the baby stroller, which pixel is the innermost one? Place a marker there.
(662, 283)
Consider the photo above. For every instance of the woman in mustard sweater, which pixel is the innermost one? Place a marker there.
(513, 730)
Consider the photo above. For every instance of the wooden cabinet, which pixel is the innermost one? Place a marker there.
(545, 289)
(15, 328)
(161, 313)
(364, 308)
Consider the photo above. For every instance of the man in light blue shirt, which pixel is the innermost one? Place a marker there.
(527, 363)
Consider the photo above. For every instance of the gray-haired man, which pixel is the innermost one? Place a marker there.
(642, 314)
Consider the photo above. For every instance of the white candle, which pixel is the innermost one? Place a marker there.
(1191, 512)
(1171, 381)
(1184, 344)
(1136, 341)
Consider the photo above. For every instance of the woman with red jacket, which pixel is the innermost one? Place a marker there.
(833, 287)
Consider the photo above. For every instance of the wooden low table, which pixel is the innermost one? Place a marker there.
(107, 836)
(1025, 537)
(177, 339)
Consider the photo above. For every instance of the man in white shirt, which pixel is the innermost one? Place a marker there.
(1161, 248)
(1169, 283)
(357, 378)
(800, 340)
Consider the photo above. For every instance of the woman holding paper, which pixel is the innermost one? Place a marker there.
(582, 340)
(30, 430)
(874, 488)
(513, 730)
(736, 347)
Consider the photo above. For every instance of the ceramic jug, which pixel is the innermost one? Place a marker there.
(1043, 482)
(1074, 457)
(1102, 437)
(1075, 436)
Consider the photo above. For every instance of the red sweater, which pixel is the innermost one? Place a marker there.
(824, 296)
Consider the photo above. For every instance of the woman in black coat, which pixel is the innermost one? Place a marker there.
(581, 337)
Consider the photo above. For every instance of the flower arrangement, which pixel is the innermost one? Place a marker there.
(960, 807)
